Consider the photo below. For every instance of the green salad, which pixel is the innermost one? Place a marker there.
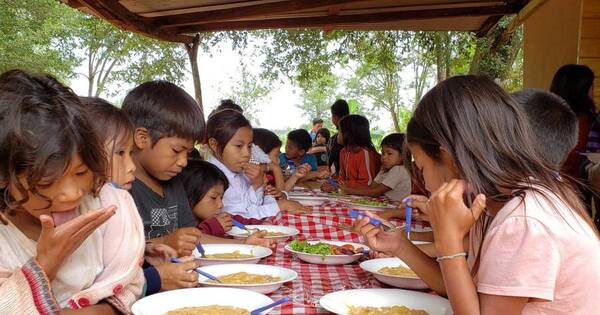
(317, 249)
(370, 202)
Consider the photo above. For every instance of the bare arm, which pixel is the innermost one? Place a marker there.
(374, 190)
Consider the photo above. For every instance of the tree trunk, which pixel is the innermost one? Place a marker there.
(438, 59)
(394, 115)
(192, 50)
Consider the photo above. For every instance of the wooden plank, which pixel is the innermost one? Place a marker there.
(589, 48)
(591, 9)
(332, 22)
(593, 63)
(590, 27)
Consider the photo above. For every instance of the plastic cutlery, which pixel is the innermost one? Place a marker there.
(357, 214)
(242, 226)
(408, 217)
(208, 275)
(332, 182)
(266, 307)
(200, 250)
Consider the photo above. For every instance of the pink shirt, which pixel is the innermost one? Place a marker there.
(539, 249)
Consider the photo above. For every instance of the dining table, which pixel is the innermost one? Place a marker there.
(328, 221)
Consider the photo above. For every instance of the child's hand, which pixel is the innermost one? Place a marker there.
(177, 276)
(322, 174)
(450, 218)
(301, 171)
(225, 220)
(183, 240)
(273, 191)
(292, 206)
(254, 174)
(327, 187)
(57, 243)
(158, 254)
(258, 238)
(390, 243)
(419, 205)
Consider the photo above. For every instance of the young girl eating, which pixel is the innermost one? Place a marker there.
(230, 140)
(510, 236)
(393, 179)
(53, 167)
(359, 161)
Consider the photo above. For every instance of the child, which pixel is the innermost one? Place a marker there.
(168, 122)
(52, 169)
(474, 145)
(359, 161)
(116, 133)
(393, 180)
(339, 110)
(319, 149)
(269, 142)
(296, 154)
(230, 140)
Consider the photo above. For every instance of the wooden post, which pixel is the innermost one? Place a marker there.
(192, 50)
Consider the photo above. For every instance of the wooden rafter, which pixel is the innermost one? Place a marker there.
(340, 20)
(114, 12)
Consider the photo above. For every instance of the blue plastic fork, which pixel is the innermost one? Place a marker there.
(332, 182)
(408, 217)
(208, 275)
(200, 249)
(357, 214)
(266, 307)
(243, 227)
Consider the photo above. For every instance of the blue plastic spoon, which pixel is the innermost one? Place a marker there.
(208, 275)
(266, 307)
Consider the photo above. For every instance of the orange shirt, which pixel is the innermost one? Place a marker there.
(358, 168)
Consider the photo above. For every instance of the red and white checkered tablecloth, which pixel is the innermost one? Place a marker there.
(313, 280)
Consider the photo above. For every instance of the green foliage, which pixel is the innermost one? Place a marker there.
(317, 97)
(34, 37)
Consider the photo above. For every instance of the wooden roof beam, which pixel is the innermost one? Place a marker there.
(338, 20)
(114, 12)
(246, 12)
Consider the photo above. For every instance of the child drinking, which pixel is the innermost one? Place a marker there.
(492, 190)
(393, 179)
(52, 169)
(230, 140)
(359, 161)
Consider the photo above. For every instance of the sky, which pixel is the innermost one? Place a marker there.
(218, 72)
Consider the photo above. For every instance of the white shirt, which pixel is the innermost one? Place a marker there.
(241, 198)
(398, 180)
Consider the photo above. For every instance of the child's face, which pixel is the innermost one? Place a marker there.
(237, 151)
(65, 193)
(122, 166)
(435, 172)
(390, 157)
(274, 155)
(292, 151)
(211, 204)
(320, 139)
(166, 158)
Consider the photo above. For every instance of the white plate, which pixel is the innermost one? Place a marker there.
(328, 259)
(160, 303)
(258, 252)
(374, 265)
(296, 193)
(310, 201)
(222, 270)
(592, 156)
(238, 233)
(357, 206)
(338, 302)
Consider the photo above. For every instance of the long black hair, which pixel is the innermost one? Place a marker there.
(42, 126)
(266, 139)
(223, 125)
(573, 84)
(490, 140)
(356, 133)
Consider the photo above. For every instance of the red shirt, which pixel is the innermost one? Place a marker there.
(358, 168)
(573, 162)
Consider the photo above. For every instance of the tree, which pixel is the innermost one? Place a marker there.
(318, 96)
(248, 91)
(34, 38)
(116, 58)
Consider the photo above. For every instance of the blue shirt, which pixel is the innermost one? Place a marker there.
(307, 159)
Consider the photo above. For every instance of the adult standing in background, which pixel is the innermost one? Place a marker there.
(317, 124)
(574, 84)
(339, 110)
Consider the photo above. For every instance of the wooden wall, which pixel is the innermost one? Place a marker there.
(551, 40)
(589, 47)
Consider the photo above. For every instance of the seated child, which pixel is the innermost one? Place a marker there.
(230, 138)
(269, 142)
(116, 133)
(393, 179)
(359, 161)
(296, 154)
(54, 256)
(319, 149)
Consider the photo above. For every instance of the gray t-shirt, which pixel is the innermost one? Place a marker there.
(162, 215)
